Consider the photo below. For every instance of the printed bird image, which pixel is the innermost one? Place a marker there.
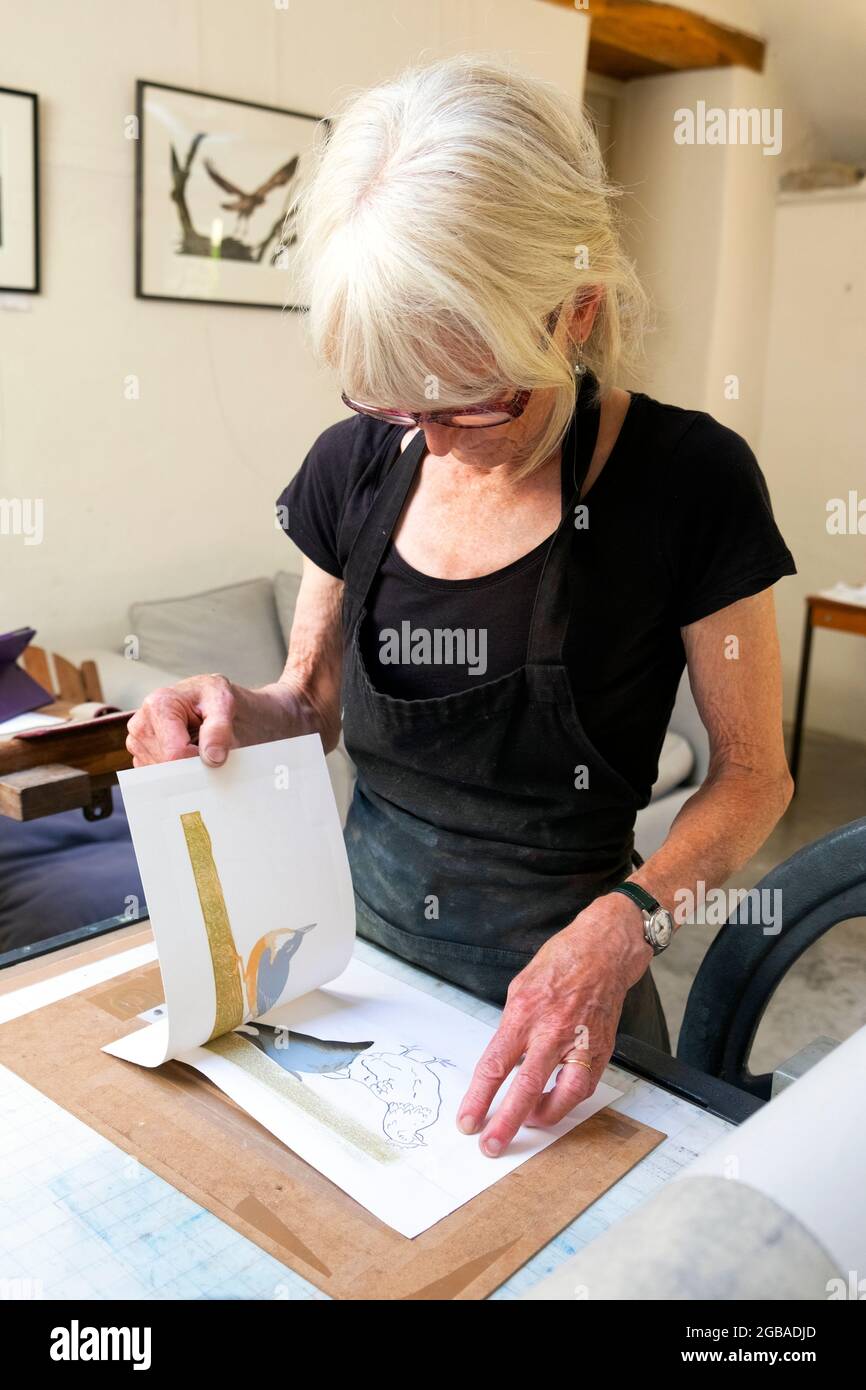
(267, 967)
(300, 1052)
(241, 990)
(245, 204)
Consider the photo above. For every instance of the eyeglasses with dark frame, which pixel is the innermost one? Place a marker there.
(466, 417)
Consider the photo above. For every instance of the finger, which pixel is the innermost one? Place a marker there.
(138, 731)
(138, 723)
(170, 733)
(142, 743)
(573, 1085)
(498, 1059)
(215, 740)
(521, 1098)
(141, 750)
(216, 735)
(147, 755)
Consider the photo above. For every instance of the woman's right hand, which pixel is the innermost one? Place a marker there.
(206, 716)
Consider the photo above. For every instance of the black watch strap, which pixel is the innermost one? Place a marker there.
(638, 895)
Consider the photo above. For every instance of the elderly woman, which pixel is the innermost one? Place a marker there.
(508, 562)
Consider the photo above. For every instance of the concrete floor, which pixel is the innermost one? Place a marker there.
(825, 992)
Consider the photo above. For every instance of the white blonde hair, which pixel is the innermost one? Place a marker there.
(447, 214)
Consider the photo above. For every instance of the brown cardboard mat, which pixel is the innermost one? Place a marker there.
(180, 1126)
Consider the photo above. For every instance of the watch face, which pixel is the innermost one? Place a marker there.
(662, 927)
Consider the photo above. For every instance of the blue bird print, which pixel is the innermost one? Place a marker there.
(267, 968)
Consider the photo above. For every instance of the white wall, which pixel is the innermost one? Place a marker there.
(701, 221)
(812, 441)
(674, 225)
(174, 492)
(704, 236)
(747, 285)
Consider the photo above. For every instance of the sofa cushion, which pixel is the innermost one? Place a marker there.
(676, 761)
(63, 872)
(234, 630)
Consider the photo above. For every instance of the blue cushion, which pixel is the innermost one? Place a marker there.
(64, 872)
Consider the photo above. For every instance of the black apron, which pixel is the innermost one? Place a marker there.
(483, 821)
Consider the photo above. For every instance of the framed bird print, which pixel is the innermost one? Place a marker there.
(19, 191)
(216, 180)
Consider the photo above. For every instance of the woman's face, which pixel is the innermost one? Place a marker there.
(501, 444)
(511, 443)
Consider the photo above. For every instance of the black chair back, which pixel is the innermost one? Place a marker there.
(820, 885)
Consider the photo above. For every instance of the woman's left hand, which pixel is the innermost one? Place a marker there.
(566, 1003)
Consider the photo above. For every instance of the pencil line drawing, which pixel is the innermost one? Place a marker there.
(403, 1081)
(243, 989)
(410, 1089)
(236, 1048)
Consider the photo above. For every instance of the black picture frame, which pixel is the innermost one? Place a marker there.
(33, 284)
(142, 86)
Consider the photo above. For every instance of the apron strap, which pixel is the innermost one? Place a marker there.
(371, 542)
(554, 596)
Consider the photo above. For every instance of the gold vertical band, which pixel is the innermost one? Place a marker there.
(223, 950)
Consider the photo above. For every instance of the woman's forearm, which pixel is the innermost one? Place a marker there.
(287, 709)
(307, 697)
(715, 834)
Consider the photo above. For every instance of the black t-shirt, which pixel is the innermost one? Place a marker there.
(678, 525)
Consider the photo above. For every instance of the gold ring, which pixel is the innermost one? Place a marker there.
(575, 1062)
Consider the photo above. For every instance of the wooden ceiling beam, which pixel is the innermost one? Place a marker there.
(642, 38)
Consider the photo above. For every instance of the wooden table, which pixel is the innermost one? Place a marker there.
(76, 1175)
(63, 767)
(828, 613)
(69, 766)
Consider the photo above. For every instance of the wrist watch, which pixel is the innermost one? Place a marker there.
(658, 925)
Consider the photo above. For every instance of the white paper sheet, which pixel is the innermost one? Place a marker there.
(379, 1118)
(279, 855)
(250, 898)
(20, 722)
(805, 1151)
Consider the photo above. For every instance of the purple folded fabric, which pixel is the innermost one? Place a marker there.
(18, 691)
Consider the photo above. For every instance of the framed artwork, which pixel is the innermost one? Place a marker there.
(215, 182)
(19, 191)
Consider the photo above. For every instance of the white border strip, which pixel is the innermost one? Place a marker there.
(30, 997)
